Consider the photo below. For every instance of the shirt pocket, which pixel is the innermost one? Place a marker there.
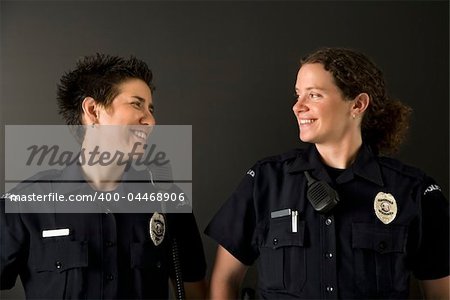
(150, 269)
(379, 259)
(144, 255)
(59, 268)
(282, 261)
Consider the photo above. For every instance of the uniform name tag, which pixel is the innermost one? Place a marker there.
(55, 232)
(280, 213)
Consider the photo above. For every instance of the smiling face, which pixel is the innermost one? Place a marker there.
(132, 110)
(323, 115)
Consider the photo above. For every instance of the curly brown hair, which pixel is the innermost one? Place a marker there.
(386, 120)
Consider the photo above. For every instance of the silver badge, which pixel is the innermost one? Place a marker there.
(385, 207)
(157, 228)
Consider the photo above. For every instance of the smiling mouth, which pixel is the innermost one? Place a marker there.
(140, 134)
(306, 121)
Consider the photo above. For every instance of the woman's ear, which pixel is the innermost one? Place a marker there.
(360, 104)
(90, 115)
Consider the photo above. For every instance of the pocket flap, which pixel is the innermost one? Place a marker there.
(144, 255)
(60, 255)
(380, 238)
(280, 234)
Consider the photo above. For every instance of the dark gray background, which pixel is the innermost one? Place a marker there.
(228, 68)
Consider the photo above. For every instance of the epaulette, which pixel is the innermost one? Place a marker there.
(42, 176)
(281, 158)
(398, 166)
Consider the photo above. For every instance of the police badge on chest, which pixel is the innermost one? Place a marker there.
(385, 207)
(157, 228)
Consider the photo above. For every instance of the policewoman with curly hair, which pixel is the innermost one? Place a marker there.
(337, 220)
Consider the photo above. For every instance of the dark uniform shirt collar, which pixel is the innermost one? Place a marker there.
(365, 166)
(72, 180)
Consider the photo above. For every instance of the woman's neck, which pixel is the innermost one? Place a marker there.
(340, 155)
(102, 176)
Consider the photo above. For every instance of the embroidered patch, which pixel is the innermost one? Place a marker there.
(431, 188)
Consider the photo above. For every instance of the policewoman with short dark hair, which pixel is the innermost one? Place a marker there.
(104, 254)
(336, 220)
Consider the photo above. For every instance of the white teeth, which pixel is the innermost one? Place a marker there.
(140, 134)
(303, 121)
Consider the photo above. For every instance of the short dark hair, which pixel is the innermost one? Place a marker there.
(97, 76)
(386, 120)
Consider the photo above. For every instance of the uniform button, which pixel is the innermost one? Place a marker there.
(328, 221)
(58, 264)
(110, 277)
(330, 289)
(329, 255)
(158, 264)
(382, 246)
(109, 244)
(275, 241)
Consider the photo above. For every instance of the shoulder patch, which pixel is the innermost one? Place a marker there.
(432, 188)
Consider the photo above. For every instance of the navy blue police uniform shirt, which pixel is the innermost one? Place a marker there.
(349, 252)
(105, 256)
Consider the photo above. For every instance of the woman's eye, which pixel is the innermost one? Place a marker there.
(314, 95)
(136, 104)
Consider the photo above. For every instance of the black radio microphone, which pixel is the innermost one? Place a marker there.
(321, 195)
(161, 176)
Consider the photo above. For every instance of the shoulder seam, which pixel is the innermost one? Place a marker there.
(401, 168)
(281, 158)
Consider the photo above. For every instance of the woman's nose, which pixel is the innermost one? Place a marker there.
(148, 118)
(299, 106)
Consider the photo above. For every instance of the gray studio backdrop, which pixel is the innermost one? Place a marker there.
(228, 69)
